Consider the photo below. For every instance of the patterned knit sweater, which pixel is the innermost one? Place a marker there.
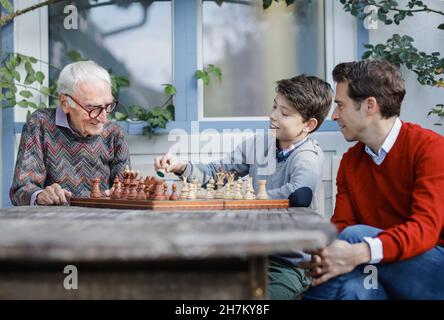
(52, 153)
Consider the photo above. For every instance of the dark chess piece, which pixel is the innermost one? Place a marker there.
(158, 191)
(95, 189)
(133, 187)
(174, 196)
(117, 192)
(116, 181)
(141, 193)
(151, 189)
(147, 184)
(165, 191)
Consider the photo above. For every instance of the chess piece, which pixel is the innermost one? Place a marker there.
(238, 195)
(158, 190)
(192, 191)
(126, 184)
(220, 183)
(115, 182)
(249, 195)
(184, 192)
(133, 186)
(165, 191)
(262, 193)
(141, 193)
(173, 196)
(228, 193)
(210, 189)
(95, 189)
(117, 192)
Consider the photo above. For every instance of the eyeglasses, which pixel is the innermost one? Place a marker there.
(95, 111)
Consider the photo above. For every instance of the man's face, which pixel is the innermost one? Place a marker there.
(351, 120)
(89, 95)
(287, 122)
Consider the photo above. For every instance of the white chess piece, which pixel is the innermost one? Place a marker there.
(184, 191)
(210, 189)
(238, 195)
(262, 193)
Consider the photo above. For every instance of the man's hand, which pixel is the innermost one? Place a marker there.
(170, 164)
(53, 195)
(338, 258)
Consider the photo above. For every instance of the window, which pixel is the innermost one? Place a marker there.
(255, 48)
(132, 39)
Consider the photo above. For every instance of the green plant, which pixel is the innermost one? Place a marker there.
(156, 117)
(399, 49)
(206, 72)
(12, 82)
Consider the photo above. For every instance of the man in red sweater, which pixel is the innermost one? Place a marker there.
(390, 202)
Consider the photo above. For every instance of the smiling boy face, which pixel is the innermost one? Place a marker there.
(287, 122)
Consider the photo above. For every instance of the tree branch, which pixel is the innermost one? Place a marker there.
(6, 19)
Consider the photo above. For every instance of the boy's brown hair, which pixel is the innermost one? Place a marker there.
(309, 95)
(373, 78)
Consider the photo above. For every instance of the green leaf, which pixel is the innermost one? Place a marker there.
(23, 103)
(33, 60)
(9, 94)
(32, 105)
(7, 5)
(44, 90)
(42, 105)
(206, 79)
(26, 94)
(74, 55)
(441, 26)
(28, 68)
(199, 74)
(29, 79)
(169, 90)
(16, 75)
(218, 73)
(120, 116)
(39, 76)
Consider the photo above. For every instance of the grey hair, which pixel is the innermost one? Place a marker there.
(76, 72)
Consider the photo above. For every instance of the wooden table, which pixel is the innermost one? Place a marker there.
(135, 254)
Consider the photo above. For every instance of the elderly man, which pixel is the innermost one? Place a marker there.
(61, 150)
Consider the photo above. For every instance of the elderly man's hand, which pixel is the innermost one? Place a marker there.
(53, 195)
(338, 258)
(170, 164)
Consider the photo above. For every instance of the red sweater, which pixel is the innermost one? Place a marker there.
(404, 195)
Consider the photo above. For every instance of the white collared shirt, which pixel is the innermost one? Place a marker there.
(375, 244)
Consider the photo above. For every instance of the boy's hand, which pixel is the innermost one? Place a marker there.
(170, 164)
(53, 195)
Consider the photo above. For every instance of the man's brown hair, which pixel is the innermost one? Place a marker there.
(373, 78)
(309, 95)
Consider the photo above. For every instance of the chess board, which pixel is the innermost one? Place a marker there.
(179, 205)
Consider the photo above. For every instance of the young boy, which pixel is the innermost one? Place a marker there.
(300, 106)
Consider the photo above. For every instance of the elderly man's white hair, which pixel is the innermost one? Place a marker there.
(80, 71)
